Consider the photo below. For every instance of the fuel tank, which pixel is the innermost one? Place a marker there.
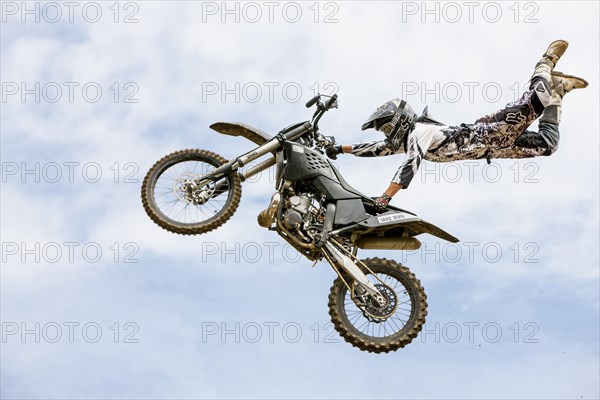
(308, 166)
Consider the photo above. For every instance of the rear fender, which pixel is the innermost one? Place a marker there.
(392, 220)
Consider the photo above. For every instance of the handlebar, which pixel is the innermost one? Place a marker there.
(323, 106)
(331, 101)
(321, 109)
(312, 101)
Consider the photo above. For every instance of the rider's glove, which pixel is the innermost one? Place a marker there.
(333, 151)
(381, 202)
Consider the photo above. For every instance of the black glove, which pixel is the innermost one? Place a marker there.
(333, 151)
(381, 202)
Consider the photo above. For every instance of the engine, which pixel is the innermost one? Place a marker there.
(302, 217)
(297, 210)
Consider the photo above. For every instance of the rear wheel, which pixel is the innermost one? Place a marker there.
(374, 327)
(174, 199)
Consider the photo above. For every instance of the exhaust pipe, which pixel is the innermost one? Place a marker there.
(388, 243)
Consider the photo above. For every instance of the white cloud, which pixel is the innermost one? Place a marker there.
(370, 55)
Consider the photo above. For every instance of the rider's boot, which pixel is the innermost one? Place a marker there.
(541, 78)
(561, 84)
(554, 52)
(544, 67)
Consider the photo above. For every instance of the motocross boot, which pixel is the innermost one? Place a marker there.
(544, 67)
(561, 84)
(554, 52)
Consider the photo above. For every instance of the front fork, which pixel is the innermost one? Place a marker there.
(269, 147)
(217, 174)
(338, 259)
(242, 160)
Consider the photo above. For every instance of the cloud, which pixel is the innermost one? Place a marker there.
(186, 69)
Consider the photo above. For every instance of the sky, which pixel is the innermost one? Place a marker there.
(97, 301)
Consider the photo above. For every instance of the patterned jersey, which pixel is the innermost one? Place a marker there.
(443, 143)
(501, 134)
(423, 138)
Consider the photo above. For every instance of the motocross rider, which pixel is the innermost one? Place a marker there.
(502, 134)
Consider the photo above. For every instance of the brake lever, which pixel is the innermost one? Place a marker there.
(325, 141)
(332, 103)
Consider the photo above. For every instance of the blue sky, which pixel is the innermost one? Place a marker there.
(513, 308)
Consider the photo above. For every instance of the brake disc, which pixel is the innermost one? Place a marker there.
(375, 312)
(186, 190)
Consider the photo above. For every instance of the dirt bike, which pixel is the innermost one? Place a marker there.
(375, 304)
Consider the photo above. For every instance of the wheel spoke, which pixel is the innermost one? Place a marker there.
(385, 321)
(174, 201)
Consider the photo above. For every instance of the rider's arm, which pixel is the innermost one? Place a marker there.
(418, 143)
(393, 189)
(371, 149)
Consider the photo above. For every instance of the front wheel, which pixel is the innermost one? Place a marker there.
(175, 200)
(374, 327)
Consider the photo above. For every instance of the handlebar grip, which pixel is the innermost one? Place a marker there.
(331, 100)
(312, 101)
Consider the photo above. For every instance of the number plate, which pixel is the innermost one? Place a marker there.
(391, 218)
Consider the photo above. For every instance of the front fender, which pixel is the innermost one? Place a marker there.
(238, 129)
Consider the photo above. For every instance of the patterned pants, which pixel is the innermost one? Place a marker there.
(503, 134)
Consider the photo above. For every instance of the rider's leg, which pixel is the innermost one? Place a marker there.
(526, 109)
(505, 130)
(547, 135)
(541, 77)
(546, 140)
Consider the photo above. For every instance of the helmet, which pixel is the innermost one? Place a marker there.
(396, 119)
